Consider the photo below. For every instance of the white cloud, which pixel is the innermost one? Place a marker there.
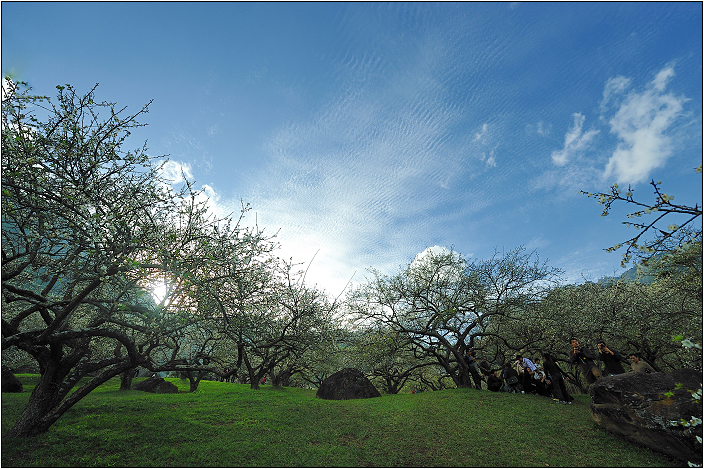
(662, 78)
(641, 124)
(174, 172)
(479, 136)
(7, 86)
(212, 201)
(491, 161)
(613, 86)
(575, 141)
(537, 243)
(433, 250)
(455, 271)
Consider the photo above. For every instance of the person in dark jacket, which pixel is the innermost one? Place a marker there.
(510, 376)
(541, 382)
(610, 359)
(527, 381)
(557, 383)
(493, 381)
(584, 358)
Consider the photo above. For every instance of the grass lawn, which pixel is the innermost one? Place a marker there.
(230, 425)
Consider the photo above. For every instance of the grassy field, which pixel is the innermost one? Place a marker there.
(230, 425)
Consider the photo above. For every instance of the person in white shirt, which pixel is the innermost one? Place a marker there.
(525, 362)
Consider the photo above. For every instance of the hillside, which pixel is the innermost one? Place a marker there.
(230, 425)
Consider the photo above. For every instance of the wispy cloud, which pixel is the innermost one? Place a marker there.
(537, 243)
(368, 173)
(613, 86)
(539, 128)
(490, 161)
(174, 171)
(480, 136)
(641, 123)
(576, 141)
(542, 129)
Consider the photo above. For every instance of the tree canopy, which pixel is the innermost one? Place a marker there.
(87, 228)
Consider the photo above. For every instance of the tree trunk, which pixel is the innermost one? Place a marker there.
(126, 379)
(193, 384)
(194, 380)
(53, 396)
(282, 379)
(461, 378)
(253, 377)
(391, 386)
(50, 399)
(45, 396)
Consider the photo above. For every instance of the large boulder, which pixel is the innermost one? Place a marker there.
(10, 383)
(648, 408)
(347, 384)
(156, 385)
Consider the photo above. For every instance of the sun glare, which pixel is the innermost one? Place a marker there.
(158, 291)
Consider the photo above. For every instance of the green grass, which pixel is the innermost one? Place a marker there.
(230, 425)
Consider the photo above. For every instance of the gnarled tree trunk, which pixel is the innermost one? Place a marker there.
(50, 398)
(126, 379)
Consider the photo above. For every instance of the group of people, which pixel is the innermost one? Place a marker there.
(526, 376)
(584, 356)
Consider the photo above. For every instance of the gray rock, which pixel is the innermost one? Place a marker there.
(635, 406)
(347, 384)
(10, 383)
(156, 385)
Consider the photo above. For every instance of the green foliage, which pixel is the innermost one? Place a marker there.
(443, 305)
(629, 316)
(387, 359)
(88, 227)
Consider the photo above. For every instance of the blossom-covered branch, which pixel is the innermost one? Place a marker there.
(663, 207)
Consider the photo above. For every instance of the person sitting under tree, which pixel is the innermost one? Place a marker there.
(510, 376)
(527, 381)
(493, 381)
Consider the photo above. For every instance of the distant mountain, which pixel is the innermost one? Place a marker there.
(631, 275)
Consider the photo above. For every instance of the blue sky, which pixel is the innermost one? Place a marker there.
(369, 132)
